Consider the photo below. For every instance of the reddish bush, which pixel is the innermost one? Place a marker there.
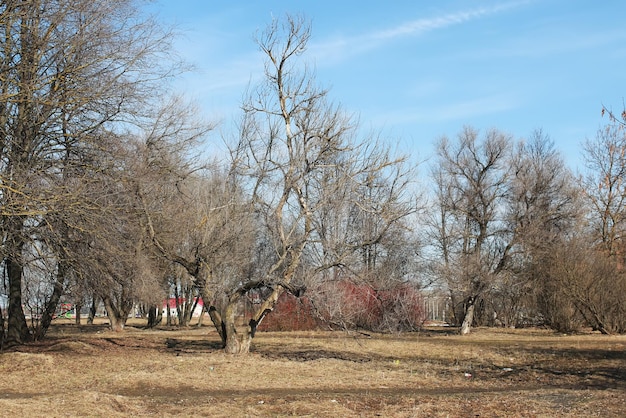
(290, 314)
(402, 308)
(399, 308)
(360, 305)
(346, 304)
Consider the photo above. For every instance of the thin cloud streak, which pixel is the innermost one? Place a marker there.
(420, 26)
(343, 47)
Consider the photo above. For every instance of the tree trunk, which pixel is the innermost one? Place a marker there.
(1, 328)
(117, 316)
(17, 328)
(117, 323)
(155, 316)
(201, 318)
(77, 308)
(235, 342)
(239, 341)
(169, 315)
(53, 303)
(469, 316)
(92, 311)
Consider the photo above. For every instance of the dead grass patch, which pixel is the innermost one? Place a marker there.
(89, 371)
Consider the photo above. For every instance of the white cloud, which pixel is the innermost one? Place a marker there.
(342, 47)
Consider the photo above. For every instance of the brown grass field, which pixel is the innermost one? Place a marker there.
(90, 371)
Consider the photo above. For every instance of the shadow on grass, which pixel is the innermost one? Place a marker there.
(180, 346)
(313, 354)
(592, 368)
(165, 392)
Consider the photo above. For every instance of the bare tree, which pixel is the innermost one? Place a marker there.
(73, 73)
(590, 287)
(365, 242)
(543, 212)
(598, 274)
(295, 153)
(471, 178)
(206, 228)
(604, 186)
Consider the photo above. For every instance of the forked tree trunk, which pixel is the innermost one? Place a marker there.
(117, 315)
(235, 341)
(239, 340)
(117, 323)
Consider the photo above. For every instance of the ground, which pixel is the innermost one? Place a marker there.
(90, 371)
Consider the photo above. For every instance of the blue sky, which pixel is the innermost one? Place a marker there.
(417, 70)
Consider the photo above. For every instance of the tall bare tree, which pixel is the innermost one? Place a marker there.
(543, 212)
(295, 154)
(471, 178)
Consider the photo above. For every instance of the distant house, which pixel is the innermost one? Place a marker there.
(171, 304)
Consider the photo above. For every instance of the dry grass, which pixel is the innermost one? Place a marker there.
(89, 371)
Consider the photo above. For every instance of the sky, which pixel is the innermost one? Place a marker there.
(414, 71)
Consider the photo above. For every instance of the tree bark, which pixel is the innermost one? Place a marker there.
(468, 318)
(17, 328)
(238, 340)
(201, 318)
(235, 342)
(117, 316)
(1, 328)
(155, 316)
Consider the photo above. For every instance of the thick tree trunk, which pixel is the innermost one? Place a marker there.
(117, 323)
(117, 316)
(17, 328)
(235, 342)
(239, 341)
(155, 316)
(468, 318)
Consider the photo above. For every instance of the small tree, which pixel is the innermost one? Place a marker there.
(592, 284)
